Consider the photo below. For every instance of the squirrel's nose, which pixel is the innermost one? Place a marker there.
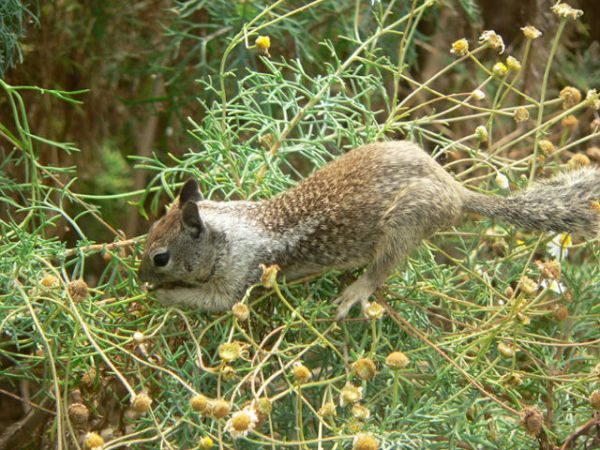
(144, 273)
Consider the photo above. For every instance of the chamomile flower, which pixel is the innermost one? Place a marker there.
(493, 39)
(558, 247)
(241, 423)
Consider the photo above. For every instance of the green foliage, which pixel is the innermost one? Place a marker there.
(483, 345)
(14, 15)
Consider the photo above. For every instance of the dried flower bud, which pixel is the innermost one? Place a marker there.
(264, 406)
(546, 147)
(141, 403)
(365, 368)
(513, 63)
(269, 275)
(460, 47)
(78, 290)
(230, 351)
(93, 441)
(578, 160)
(79, 413)
(531, 32)
(364, 441)
(593, 152)
(374, 311)
(521, 114)
(350, 394)
(360, 412)
(88, 377)
(138, 337)
(506, 350)
(241, 311)
(50, 281)
(502, 181)
(301, 373)
(570, 121)
(228, 373)
(200, 403)
(532, 419)
(499, 69)
(570, 96)
(512, 379)
(595, 400)
(220, 408)
(327, 410)
(560, 312)
(550, 269)
(481, 133)
(494, 40)
(206, 443)
(566, 11)
(528, 286)
(397, 360)
(592, 99)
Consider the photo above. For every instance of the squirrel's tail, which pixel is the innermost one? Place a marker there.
(569, 202)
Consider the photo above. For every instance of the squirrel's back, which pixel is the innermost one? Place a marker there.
(340, 211)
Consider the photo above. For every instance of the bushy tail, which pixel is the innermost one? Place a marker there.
(565, 203)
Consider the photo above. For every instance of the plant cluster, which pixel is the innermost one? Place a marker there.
(487, 338)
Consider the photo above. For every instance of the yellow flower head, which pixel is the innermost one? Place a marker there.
(263, 42)
(513, 63)
(499, 69)
(460, 47)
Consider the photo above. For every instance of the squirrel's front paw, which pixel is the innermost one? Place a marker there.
(350, 297)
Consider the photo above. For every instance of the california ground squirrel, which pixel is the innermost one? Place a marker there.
(370, 207)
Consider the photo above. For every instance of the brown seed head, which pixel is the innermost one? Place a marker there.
(595, 400)
(397, 360)
(521, 114)
(532, 419)
(199, 403)
(546, 147)
(364, 441)
(365, 368)
(560, 312)
(78, 290)
(570, 96)
(578, 160)
(79, 413)
(141, 403)
(570, 121)
(220, 408)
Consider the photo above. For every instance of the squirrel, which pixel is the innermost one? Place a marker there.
(368, 208)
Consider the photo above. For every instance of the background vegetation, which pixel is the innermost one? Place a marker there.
(107, 106)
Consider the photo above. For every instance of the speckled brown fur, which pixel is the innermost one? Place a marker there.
(369, 208)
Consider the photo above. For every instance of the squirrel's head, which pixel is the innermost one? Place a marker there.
(180, 250)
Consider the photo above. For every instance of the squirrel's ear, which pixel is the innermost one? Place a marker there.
(190, 192)
(190, 218)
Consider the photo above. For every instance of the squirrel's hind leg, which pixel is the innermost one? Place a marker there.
(392, 249)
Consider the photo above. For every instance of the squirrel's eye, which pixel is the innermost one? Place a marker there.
(161, 259)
